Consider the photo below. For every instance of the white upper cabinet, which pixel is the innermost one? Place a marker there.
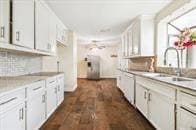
(62, 34)
(52, 31)
(138, 38)
(23, 23)
(42, 26)
(4, 21)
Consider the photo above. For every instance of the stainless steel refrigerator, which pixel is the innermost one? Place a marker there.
(93, 67)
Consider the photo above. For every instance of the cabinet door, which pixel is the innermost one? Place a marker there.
(36, 110)
(161, 106)
(60, 90)
(51, 98)
(23, 23)
(52, 32)
(130, 89)
(136, 38)
(4, 20)
(186, 119)
(42, 26)
(142, 100)
(130, 37)
(13, 118)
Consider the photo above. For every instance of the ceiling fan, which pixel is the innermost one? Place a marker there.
(94, 45)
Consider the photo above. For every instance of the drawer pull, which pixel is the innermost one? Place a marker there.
(149, 97)
(37, 88)
(145, 95)
(43, 98)
(10, 100)
(51, 82)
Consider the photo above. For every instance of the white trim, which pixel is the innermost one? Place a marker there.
(70, 88)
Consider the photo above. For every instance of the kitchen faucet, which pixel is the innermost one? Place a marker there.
(178, 71)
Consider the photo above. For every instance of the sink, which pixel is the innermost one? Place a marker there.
(180, 79)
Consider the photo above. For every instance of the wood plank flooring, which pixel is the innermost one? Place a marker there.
(96, 105)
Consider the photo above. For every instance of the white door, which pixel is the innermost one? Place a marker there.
(23, 23)
(131, 89)
(142, 99)
(4, 20)
(130, 37)
(51, 98)
(36, 110)
(186, 119)
(136, 38)
(161, 111)
(52, 31)
(42, 27)
(13, 118)
(60, 90)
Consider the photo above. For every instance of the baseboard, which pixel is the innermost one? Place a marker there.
(70, 88)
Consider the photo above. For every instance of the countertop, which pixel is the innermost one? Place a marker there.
(189, 85)
(8, 84)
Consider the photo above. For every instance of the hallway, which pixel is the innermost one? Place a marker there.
(96, 106)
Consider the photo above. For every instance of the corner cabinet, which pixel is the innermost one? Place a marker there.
(138, 38)
(23, 23)
(4, 21)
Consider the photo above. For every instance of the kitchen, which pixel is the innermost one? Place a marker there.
(105, 65)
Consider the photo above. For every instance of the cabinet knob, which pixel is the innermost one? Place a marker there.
(2, 32)
(43, 98)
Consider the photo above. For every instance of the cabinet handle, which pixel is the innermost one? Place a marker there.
(55, 90)
(145, 95)
(17, 36)
(149, 97)
(58, 87)
(37, 88)
(43, 98)
(51, 82)
(10, 100)
(3, 32)
(21, 114)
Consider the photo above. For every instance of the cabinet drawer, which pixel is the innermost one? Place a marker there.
(35, 88)
(158, 87)
(51, 81)
(12, 99)
(188, 100)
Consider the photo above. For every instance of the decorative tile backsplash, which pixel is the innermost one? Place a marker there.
(13, 64)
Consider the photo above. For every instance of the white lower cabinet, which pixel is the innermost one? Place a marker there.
(129, 87)
(51, 90)
(142, 99)
(36, 105)
(60, 89)
(156, 102)
(13, 118)
(186, 119)
(161, 111)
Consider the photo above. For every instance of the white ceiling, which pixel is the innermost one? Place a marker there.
(89, 17)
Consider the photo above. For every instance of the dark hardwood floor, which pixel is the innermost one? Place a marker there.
(96, 105)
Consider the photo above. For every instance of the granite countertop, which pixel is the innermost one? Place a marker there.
(8, 84)
(189, 85)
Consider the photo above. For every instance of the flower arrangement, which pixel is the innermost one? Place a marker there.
(187, 39)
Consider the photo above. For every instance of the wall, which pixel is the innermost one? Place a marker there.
(14, 64)
(67, 58)
(108, 65)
